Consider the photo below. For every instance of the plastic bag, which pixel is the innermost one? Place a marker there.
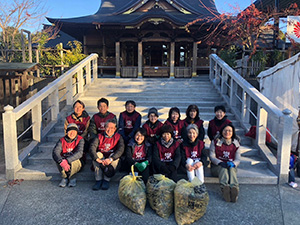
(160, 194)
(191, 200)
(132, 193)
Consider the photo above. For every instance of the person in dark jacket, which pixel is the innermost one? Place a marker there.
(193, 117)
(176, 123)
(138, 153)
(105, 151)
(129, 121)
(166, 154)
(192, 157)
(152, 126)
(67, 154)
(97, 125)
(216, 124)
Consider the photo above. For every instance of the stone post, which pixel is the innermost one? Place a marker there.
(261, 125)
(37, 122)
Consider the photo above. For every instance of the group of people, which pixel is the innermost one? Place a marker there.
(153, 148)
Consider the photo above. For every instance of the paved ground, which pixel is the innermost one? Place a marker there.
(43, 202)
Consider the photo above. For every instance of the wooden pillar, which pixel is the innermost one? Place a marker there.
(140, 59)
(103, 47)
(195, 50)
(61, 53)
(118, 64)
(37, 56)
(172, 59)
(29, 47)
(84, 45)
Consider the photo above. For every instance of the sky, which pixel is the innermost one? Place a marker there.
(76, 8)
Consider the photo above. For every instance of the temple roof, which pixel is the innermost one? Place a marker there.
(132, 12)
(283, 4)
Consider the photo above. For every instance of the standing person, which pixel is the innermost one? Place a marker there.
(193, 117)
(105, 151)
(98, 121)
(82, 119)
(225, 157)
(192, 157)
(152, 126)
(176, 123)
(67, 154)
(138, 153)
(129, 121)
(166, 154)
(216, 124)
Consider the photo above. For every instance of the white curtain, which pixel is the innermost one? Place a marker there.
(280, 84)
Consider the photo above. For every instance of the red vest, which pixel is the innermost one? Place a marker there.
(177, 128)
(68, 148)
(167, 154)
(194, 152)
(81, 124)
(199, 123)
(225, 152)
(100, 122)
(215, 129)
(129, 121)
(139, 153)
(153, 132)
(108, 145)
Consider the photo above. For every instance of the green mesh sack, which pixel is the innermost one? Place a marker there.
(160, 194)
(191, 200)
(132, 193)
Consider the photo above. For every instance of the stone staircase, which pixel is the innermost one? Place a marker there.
(162, 93)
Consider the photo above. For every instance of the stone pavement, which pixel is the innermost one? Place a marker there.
(43, 202)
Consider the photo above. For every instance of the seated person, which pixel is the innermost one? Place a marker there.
(138, 153)
(225, 157)
(97, 125)
(176, 123)
(216, 124)
(152, 126)
(192, 157)
(166, 154)
(129, 121)
(105, 151)
(67, 154)
(192, 117)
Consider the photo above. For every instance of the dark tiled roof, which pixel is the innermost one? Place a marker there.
(283, 4)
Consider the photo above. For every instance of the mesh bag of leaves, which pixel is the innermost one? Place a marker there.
(132, 193)
(191, 200)
(160, 194)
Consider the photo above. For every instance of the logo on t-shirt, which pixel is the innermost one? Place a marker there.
(193, 154)
(128, 124)
(226, 154)
(107, 147)
(168, 156)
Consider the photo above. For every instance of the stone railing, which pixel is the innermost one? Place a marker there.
(73, 82)
(253, 108)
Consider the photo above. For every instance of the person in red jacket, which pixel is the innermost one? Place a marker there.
(67, 154)
(216, 124)
(166, 154)
(129, 121)
(106, 151)
(193, 117)
(176, 123)
(97, 125)
(152, 126)
(225, 157)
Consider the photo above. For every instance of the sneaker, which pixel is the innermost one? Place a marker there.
(293, 184)
(105, 185)
(234, 192)
(226, 193)
(97, 185)
(72, 183)
(63, 182)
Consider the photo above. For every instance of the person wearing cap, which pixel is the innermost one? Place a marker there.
(192, 157)
(97, 125)
(67, 154)
(216, 124)
(193, 117)
(166, 154)
(176, 123)
(152, 126)
(105, 151)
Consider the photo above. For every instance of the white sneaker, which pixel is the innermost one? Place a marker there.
(72, 182)
(63, 182)
(293, 184)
